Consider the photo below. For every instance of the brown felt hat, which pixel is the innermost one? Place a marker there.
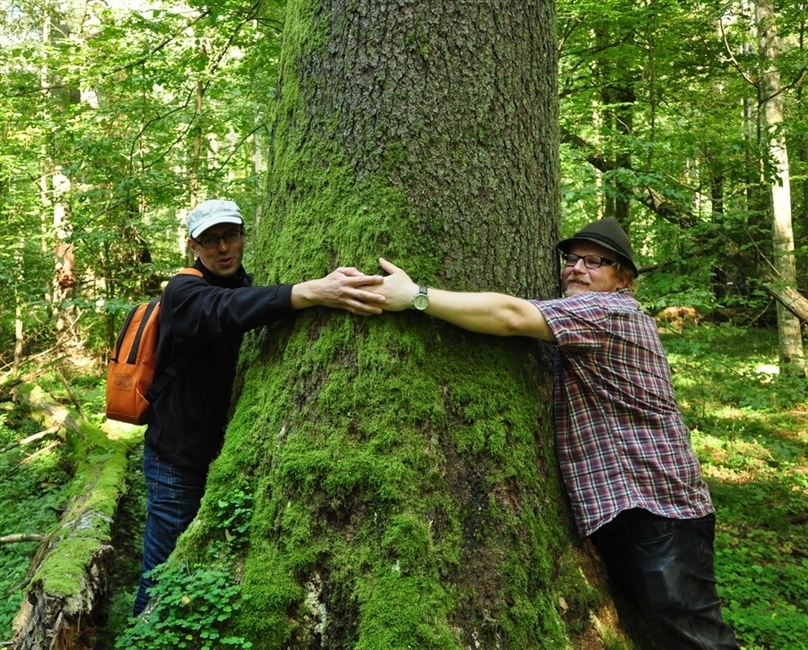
(609, 234)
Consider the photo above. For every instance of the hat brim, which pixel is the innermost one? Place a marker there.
(214, 220)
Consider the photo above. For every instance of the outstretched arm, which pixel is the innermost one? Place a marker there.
(340, 289)
(486, 313)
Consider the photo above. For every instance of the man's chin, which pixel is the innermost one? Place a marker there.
(574, 289)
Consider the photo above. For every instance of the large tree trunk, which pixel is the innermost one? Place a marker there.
(401, 471)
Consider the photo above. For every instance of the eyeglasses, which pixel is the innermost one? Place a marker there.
(212, 241)
(590, 261)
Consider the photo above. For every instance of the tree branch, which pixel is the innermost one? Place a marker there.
(732, 58)
(19, 538)
(651, 198)
(30, 439)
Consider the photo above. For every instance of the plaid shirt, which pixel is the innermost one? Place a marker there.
(620, 437)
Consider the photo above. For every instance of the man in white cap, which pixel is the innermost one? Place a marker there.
(631, 473)
(208, 315)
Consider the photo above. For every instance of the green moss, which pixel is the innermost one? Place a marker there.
(401, 610)
(64, 572)
(350, 485)
(100, 473)
(92, 499)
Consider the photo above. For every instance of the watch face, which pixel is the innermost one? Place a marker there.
(420, 301)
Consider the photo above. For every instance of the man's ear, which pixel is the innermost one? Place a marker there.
(192, 246)
(624, 279)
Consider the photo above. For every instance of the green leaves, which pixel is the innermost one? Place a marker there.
(190, 609)
(135, 110)
(748, 431)
(659, 108)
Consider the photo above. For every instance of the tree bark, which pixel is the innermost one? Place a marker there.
(792, 358)
(67, 595)
(787, 297)
(401, 471)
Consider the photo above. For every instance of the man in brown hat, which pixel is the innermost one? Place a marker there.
(625, 453)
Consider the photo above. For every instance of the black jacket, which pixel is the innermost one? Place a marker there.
(209, 314)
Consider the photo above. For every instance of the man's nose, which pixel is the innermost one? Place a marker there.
(579, 261)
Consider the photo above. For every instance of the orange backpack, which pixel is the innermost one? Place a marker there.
(130, 375)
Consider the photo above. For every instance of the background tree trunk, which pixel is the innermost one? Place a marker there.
(792, 359)
(401, 472)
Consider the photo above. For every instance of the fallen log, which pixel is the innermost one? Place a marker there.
(789, 297)
(68, 593)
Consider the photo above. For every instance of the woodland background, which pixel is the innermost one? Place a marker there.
(685, 120)
(118, 117)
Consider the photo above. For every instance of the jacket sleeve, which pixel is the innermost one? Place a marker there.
(198, 311)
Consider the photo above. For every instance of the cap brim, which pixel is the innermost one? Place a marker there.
(213, 220)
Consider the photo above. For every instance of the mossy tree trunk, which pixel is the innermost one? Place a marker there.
(396, 475)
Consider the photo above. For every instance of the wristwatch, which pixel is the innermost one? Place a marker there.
(420, 300)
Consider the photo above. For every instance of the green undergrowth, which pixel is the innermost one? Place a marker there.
(33, 484)
(65, 487)
(127, 540)
(750, 430)
(190, 609)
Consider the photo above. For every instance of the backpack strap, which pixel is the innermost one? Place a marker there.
(169, 374)
(175, 366)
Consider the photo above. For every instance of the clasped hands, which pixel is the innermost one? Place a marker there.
(365, 295)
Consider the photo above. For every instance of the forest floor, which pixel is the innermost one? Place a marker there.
(750, 430)
(749, 427)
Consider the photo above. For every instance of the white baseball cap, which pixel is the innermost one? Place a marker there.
(211, 213)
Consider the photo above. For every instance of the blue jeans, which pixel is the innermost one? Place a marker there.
(173, 496)
(666, 567)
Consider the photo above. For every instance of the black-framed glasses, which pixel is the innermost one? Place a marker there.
(212, 241)
(590, 261)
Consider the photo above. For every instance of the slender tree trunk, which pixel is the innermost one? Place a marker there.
(45, 162)
(65, 263)
(196, 153)
(618, 98)
(19, 332)
(792, 359)
(402, 472)
(801, 138)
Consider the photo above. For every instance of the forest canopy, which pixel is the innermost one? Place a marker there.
(118, 118)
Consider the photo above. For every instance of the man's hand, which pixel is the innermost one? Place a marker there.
(397, 288)
(344, 288)
(484, 312)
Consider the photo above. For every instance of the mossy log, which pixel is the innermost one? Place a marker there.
(67, 595)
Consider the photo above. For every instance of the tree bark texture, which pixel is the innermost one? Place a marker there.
(68, 593)
(401, 472)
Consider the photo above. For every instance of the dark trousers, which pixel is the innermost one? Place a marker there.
(172, 501)
(666, 568)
